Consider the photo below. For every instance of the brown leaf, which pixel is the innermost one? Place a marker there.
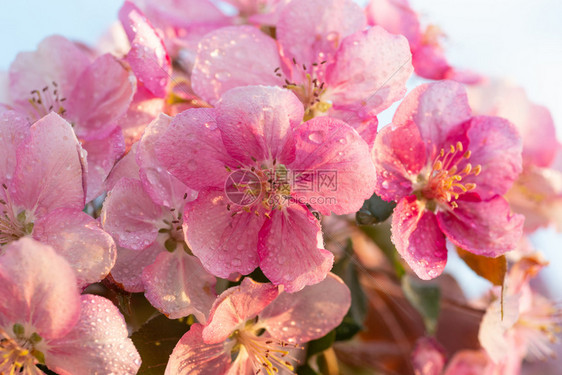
(492, 269)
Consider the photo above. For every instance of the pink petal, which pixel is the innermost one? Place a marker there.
(291, 250)
(226, 59)
(500, 316)
(399, 155)
(126, 167)
(48, 162)
(482, 227)
(127, 272)
(223, 242)
(235, 306)
(418, 239)
(193, 356)
(98, 344)
(371, 68)
(102, 155)
(397, 17)
(496, 146)
(178, 285)
(56, 59)
(469, 362)
(13, 131)
(317, 309)
(38, 287)
(192, 150)
(102, 95)
(428, 357)
(258, 121)
(130, 216)
(312, 30)
(436, 109)
(163, 188)
(341, 162)
(80, 240)
(144, 108)
(148, 57)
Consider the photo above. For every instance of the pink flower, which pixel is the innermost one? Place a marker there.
(92, 96)
(537, 193)
(447, 170)
(42, 193)
(255, 327)
(428, 56)
(321, 54)
(525, 324)
(43, 318)
(144, 215)
(256, 167)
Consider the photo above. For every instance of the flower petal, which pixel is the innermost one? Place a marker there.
(102, 94)
(193, 356)
(102, 155)
(192, 150)
(48, 162)
(98, 344)
(235, 306)
(148, 57)
(436, 109)
(163, 188)
(311, 30)
(418, 239)
(340, 161)
(127, 272)
(317, 309)
(258, 121)
(482, 227)
(396, 17)
(56, 60)
(399, 155)
(224, 243)
(178, 285)
(291, 251)
(80, 240)
(38, 287)
(130, 216)
(13, 131)
(389, 65)
(496, 146)
(226, 59)
(500, 316)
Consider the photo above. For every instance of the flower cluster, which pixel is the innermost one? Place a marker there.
(207, 192)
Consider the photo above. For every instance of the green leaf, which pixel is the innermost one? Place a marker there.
(425, 297)
(347, 328)
(374, 211)
(321, 344)
(155, 341)
(306, 370)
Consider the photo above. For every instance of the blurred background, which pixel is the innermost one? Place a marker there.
(518, 40)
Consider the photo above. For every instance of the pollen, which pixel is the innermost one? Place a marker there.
(445, 180)
(46, 100)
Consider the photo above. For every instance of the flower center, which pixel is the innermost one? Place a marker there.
(542, 325)
(268, 355)
(12, 226)
(172, 230)
(269, 185)
(46, 100)
(19, 354)
(307, 86)
(444, 182)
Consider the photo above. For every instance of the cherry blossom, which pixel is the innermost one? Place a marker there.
(255, 327)
(91, 95)
(257, 131)
(428, 56)
(321, 54)
(43, 319)
(37, 164)
(448, 172)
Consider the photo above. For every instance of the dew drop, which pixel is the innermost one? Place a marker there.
(222, 76)
(385, 184)
(315, 137)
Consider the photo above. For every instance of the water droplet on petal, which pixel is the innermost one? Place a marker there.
(316, 137)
